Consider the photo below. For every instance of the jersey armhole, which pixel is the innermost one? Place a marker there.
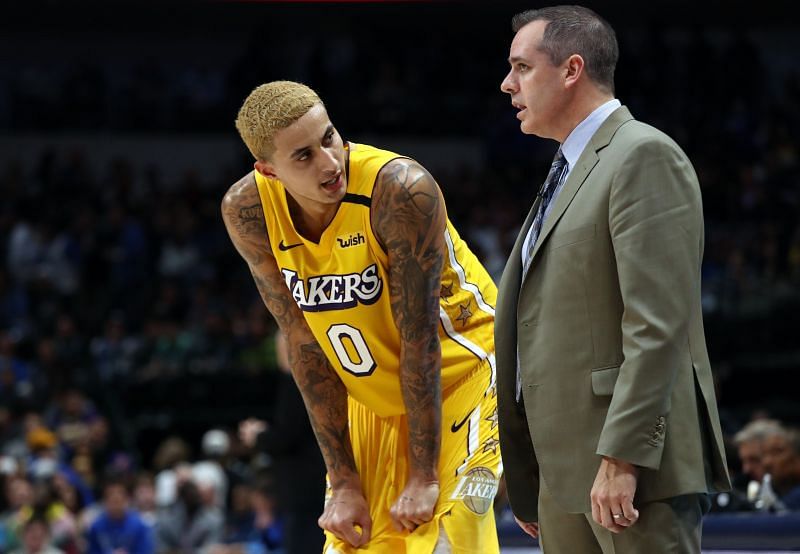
(266, 209)
(378, 241)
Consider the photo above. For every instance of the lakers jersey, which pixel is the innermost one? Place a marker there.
(341, 284)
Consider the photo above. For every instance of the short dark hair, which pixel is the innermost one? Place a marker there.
(116, 480)
(37, 518)
(576, 30)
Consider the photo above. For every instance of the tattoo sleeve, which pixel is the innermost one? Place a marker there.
(409, 218)
(323, 392)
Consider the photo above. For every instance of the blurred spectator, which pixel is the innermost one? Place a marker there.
(63, 527)
(36, 537)
(188, 526)
(18, 496)
(240, 517)
(115, 352)
(208, 473)
(268, 527)
(781, 459)
(144, 498)
(57, 482)
(749, 443)
(119, 529)
(76, 421)
(77, 499)
(172, 454)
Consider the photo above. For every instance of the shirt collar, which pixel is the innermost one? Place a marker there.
(573, 146)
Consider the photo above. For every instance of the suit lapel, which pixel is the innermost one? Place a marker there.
(577, 176)
(516, 252)
(583, 167)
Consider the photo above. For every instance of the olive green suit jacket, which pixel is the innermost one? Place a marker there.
(609, 328)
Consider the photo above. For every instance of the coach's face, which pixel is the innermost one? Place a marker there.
(537, 87)
(309, 160)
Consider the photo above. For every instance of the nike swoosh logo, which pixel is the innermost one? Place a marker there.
(456, 426)
(284, 247)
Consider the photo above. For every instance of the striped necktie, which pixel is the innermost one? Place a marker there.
(557, 171)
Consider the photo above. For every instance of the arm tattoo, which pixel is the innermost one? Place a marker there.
(409, 218)
(323, 392)
(325, 398)
(244, 219)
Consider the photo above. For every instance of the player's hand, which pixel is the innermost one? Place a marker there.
(415, 505)
(249, 429)
(346, 515)
(530, 527)
(612, 495)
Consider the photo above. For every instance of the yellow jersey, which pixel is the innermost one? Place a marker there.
(341, 284)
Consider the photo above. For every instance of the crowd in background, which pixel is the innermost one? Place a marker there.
(125, 314)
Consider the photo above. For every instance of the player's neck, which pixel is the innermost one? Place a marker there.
(311, 220)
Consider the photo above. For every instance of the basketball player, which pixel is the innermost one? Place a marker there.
(389, 321)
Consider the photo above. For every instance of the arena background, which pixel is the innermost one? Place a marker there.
(118, 282)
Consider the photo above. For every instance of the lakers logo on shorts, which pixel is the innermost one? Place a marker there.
(477, 488)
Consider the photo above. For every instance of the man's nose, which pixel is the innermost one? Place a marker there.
(508, 85)
(329, 160)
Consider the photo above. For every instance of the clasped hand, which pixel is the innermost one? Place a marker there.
(415, 505)
(346, 515)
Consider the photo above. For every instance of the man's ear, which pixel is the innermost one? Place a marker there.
(265, 168)
(574, 69)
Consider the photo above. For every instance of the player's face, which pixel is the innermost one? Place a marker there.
(536, 86)
(309, 160)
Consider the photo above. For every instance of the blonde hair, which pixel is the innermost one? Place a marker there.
(270, 108)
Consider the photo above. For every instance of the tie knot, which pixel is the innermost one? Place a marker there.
(559, 161)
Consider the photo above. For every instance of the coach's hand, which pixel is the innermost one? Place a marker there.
(345, 510)
(415, 505)
(612, 495)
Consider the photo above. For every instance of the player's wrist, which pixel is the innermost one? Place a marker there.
(346, 483)
(427, 476)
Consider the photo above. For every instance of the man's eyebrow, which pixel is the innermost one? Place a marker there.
(298, 151)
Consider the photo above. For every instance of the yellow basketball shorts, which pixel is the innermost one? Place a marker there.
(469, 471)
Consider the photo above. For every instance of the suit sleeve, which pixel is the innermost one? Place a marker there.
(656, 225)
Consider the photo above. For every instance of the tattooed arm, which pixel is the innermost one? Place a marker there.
(408, 216)
(323, 392)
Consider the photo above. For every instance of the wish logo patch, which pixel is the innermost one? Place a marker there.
(346, 241)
